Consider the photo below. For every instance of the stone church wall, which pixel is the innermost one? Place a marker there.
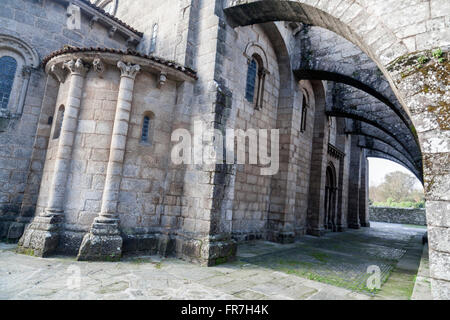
(252, 190)
(171, 21)
(42, 25)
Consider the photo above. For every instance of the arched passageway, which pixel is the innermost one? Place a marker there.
(388, 33)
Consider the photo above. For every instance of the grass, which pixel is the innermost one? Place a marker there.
(322, 257)
(413, 226)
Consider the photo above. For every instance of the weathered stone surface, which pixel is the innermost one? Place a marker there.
(41, 237)
(156, 277)
(103, 243)
(93, 140)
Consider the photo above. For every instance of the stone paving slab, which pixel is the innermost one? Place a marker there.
(263, 270)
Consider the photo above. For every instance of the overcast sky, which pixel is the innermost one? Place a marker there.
(378, 168)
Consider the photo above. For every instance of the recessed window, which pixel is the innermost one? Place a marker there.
(254, 89)
(304, 114)
(147, 129)
(154, 38)
(59, 122)
(251, 80)
(8, 67)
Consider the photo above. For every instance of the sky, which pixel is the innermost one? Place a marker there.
(378, 168)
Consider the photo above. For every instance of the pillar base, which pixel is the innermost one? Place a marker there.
(282, 236)
(354, 226)
(365, 224)
(317, 232)
(217, 251)
(206, 251)
(41, 237)
(203, 250)
(102, 243)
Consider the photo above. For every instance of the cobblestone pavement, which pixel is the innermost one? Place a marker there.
(330, 267)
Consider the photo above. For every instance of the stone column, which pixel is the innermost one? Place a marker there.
(42, 236)
(354, 184)
(104, 242)
(57, 191)
(364, 193)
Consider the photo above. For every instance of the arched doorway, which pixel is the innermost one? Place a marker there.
(330, 199)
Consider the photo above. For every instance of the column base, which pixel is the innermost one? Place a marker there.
(209, 251)
(365, 224)
(203, 250)
(282, 236)
(354, 226)
(317, 232)
(102, 243)
(41, 237)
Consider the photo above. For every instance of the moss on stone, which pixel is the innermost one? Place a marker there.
(26, 251)
(221, 260)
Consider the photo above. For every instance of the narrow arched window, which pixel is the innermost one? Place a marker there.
(251, 80)
(304, 114)
(154, 38)
(59, 122)
(147, 129)
(256, 75)
(8, 67)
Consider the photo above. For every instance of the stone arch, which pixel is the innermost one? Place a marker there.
(346, 18)
(374, 143)
(27, 59)
(373, 153)
(253, 49)
(386, 32)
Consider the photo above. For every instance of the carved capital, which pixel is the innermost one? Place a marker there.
(58, 73)
(76, 67)
(128, 70)
(98, 66)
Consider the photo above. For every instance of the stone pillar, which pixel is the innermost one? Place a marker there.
(281, 219)
(354, 181)
(428, 105)
(104, 242)
(343, 142)
(42, 235)
(364, 192)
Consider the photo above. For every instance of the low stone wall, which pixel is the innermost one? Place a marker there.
(398, 215)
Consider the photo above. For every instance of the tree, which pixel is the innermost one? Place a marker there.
(397, 189)
(397, 185)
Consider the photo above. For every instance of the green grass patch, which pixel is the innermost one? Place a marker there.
(322, 257)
